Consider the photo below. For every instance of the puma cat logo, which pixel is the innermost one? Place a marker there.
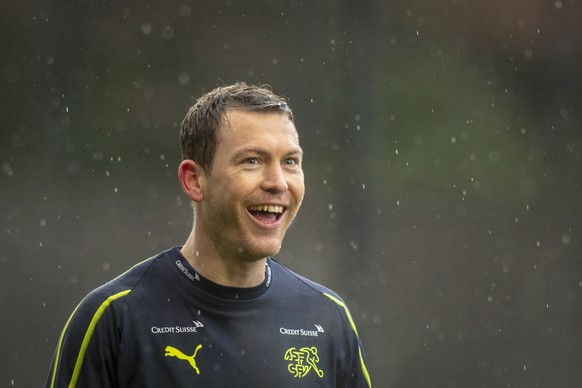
(173, 352)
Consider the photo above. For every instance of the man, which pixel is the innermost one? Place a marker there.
(220, 311)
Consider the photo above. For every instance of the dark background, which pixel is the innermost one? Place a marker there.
(443, 168)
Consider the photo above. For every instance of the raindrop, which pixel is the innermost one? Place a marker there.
(7, 169)
(185, 11)
(168, 33)
(98, 156)
(564, 112)
(565, 239)
(146, 28)
(184, 78)
(73, 168)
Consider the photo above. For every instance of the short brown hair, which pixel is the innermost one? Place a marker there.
(200, 128)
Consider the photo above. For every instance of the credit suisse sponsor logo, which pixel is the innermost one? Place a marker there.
(177, 329)
(302, 332)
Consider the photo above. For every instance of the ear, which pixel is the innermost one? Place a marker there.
(192, 179)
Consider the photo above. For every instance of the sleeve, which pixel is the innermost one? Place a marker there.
(88, 346)
(358, 375)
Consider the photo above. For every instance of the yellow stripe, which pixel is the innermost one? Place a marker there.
(86, 339)
(362, 363)
(89, 333)
(58, 355)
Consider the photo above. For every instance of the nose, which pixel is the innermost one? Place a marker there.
(274, 179)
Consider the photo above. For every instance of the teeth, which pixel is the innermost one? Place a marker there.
(266, 208)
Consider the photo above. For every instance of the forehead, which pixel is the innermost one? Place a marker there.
(241, 125)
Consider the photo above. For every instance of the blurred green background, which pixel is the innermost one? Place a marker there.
(443, 168)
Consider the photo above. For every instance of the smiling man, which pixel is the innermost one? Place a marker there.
(220, 311)
(246, 198)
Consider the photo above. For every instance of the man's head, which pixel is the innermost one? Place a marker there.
(201, 126)
(242, 169)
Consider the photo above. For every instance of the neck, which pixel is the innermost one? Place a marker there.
(232, 271)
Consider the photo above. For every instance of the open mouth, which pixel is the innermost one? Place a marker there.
(266, 213)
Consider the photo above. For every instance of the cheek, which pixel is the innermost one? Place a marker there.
(297, 187)
(235, 190)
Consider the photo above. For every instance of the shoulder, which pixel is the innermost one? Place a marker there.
(288, 276)
(121, 287)
(309, 287)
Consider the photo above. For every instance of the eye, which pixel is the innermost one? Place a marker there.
(251, 161)
(293, 162)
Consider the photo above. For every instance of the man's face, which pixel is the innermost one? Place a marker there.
(255, 186)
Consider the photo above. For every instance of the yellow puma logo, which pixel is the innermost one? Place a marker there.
(173, 352)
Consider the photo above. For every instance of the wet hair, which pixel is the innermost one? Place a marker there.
(200, 128)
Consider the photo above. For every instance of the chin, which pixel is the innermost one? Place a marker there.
(260, 252)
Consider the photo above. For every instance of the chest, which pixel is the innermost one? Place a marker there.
(185, 344)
